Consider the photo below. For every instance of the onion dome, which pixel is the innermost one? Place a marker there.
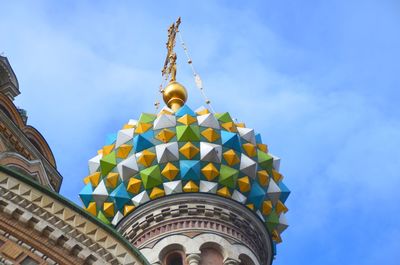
(185, 151)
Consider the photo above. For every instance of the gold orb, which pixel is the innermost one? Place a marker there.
(175, 95)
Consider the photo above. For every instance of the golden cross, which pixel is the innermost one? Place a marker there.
(169, 68)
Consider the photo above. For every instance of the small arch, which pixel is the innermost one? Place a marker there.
(9, 109)
(245, 260)
(37, 139)
(173, 254)
(211, 254)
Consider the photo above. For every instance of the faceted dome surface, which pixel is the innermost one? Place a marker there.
(186, 151)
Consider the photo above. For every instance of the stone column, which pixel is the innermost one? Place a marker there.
(193, 259)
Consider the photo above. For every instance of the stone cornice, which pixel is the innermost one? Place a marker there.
(64, 221)
(203, 212)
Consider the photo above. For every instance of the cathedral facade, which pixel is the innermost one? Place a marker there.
(178, 187)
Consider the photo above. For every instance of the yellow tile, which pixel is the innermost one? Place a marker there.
(164, 111)
(146, 158)
(250, 149)
(156, 192)
(250, 206)
(191, 187)
(92, 208)
(276, 176)
(266, 207)
(170, 171)
(263, 177)
(107, 149)
(100, 152)
(143, 127)
(203, 112)
(229, 126)
(128, 209)
(108, 209)
(165, 135)
(263, 147)
(210, 171)
(128, 126)
(240, 125)
(93, 178)
(224, 191)
(244, 184)
(187, 119)
(123, 151)
(276, 237)
(189, 150)
(231, 158)
(134, 185)
(280, 208)
(210, 134)
(112, 179)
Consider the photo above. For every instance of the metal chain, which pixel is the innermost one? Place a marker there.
(197, 79)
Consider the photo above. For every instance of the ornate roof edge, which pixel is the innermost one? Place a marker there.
(76, 209)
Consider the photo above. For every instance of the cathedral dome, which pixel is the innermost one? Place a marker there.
(185, 151)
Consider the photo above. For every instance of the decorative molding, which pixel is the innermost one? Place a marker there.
(183, 214)
(62, 224)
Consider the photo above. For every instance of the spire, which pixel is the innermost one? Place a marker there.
(174, 94)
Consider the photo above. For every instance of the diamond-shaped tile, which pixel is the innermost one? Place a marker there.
(170, 171)
(210, 134)
(187, 119)
(189, 150)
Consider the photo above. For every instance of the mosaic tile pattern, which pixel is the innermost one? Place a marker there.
(186, 151)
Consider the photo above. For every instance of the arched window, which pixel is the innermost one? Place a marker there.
(211, 255)
(174, 258)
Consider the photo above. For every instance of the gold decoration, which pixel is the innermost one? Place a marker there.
(280, 207)
(263, 177)
(156, 192)
(123, 151)
(165, 135)
(250, 149)
(93, 178)
(229, 126)
(146, 158)
(191, 187)
(128, 209)
(276, 176)
(170, 171)
(189, 150)
(266, 207)
(210, 171)
(107, 149)
(143, 127)
(244, 184)
(187, 119)
(231, 158)
(224, 192)
(112, 179)
(174, 94)
(108, 209)
(92, 208)
(263, 147)
(203, 112)
(210, 134)
(134, 185)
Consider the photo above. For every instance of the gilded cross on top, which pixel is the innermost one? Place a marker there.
(169, 68)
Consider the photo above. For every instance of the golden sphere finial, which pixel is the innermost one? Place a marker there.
(174, 95)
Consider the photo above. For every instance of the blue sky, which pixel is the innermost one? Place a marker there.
(319, 79)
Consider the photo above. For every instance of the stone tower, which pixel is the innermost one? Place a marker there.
(189, 186)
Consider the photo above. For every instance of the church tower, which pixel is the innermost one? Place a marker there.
(189, 186)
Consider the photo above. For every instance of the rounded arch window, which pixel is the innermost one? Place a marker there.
(211, 254)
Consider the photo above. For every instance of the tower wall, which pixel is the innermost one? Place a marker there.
(201, 229)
